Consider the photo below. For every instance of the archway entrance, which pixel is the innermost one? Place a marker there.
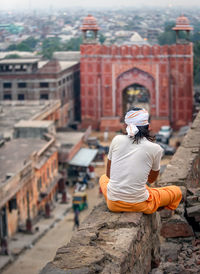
(135, 88)
(135, 96)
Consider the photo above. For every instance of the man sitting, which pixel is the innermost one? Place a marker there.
(134, 160)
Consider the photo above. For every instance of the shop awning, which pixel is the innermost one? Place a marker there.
(83, 157)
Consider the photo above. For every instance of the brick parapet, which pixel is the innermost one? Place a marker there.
(144, 51)
(110, 243)
(184, 168)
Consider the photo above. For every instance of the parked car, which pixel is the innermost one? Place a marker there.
(183, 131)
(166, 131)
(168, 150)
(161, 138)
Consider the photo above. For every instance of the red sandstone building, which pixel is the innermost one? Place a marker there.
(113, 78)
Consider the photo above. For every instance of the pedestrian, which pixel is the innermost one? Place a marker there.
(134, 160)
(76, 218)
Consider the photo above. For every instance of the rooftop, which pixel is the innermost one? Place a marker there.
(67, 55)
(13, 111)
(34, 124)
(66, 64)
(22, 54)
(55, 66)
(13, 155)
(19, 61)
(182, 23)
(67, 140)
(90, 23)
(84, 157)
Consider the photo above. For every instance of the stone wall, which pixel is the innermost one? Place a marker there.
(110, 243)
(180, 248)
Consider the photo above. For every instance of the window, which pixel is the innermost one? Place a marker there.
(43, 178)
(55, 164)
(39, 183)
(7, 97)
(44, 96)
(63, 80)
(48, 175)
(59, 83)
(20, 97)
(63, 92)
(12, 204)
(22, 85)
(7, 85)
(44, 85)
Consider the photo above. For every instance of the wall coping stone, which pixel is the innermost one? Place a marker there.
(108, 242)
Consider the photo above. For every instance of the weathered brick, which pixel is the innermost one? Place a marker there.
(177, 226)
(166, 213)
(169, 251)
(180, 210)
(193, 211)
(192, 200)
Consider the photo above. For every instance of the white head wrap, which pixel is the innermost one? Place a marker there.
(134, 118)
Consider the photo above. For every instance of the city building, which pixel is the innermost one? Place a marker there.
(33, 79)
(114, 78)
(28, 182)
(12, 112)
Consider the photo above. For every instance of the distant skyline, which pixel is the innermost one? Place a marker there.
(41, 4)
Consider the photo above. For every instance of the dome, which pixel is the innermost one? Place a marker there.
(90, 23)
(182, 23)
(136, 38)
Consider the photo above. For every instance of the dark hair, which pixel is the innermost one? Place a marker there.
(143, 131)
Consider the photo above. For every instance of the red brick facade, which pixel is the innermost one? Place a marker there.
(166, 72)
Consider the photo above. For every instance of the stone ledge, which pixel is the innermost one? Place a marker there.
(110, 243)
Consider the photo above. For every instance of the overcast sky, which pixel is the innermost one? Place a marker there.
(25, 4)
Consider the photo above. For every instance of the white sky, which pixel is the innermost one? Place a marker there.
(25, 4)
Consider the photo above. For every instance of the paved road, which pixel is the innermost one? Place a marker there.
(33, 260)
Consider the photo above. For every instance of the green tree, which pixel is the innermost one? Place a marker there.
(102, 38)
(197, 62)
(73, 44)
(27, 45)
(12, 47)
(31, 42)
(12, 56)
(23, 47)
(167, 37)
(50, 45)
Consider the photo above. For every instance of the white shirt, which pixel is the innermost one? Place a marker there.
(130, 167)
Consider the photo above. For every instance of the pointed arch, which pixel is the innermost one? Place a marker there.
(131, 77)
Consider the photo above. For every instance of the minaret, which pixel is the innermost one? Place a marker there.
(182, 24)
(90, 30)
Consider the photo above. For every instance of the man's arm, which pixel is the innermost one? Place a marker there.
(153, 176)
(108, 168)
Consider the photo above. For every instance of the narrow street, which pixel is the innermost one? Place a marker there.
(33, 260)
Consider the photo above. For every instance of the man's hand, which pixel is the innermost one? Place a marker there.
(108, 168)
(153, 176)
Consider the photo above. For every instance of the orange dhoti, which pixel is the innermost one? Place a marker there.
(168, 197)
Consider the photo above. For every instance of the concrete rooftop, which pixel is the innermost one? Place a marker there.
(14, 153)
(19, 61)
(34, 124)
(14, 111)
(71, 137)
